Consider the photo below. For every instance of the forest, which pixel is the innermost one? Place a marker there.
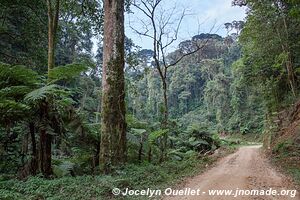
(84, 109)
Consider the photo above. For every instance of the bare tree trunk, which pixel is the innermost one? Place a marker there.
(113, 135)
(166, 108)
(34, 160)
(149, 154)
(45, 153)
(24, 148)
(45, 142)
(45, 138)
(289, 63)
(52, 29)
(96, 156)
(50, 49)
(291, 75)
(165, 119)
(140, 152)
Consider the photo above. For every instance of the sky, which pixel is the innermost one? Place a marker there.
(204, 16)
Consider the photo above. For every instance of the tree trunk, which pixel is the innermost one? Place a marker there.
(96, 156)
(166, 108)
(291, 75)
(289, 63)
(113, 135)
(45, 153)
(97, 153)
(140, 152)
(50, 50)
(53, 14)
(45, 138)
(165, 122)
(45, 142)
(24, 148)
(163, 148)
(34, 161)
(149, 154)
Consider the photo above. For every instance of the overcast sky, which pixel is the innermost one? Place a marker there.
(203, 15)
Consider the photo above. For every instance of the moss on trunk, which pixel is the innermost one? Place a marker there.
(113, 135)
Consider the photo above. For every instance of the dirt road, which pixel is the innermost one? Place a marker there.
(246, 169)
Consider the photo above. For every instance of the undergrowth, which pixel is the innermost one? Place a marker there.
(99, 187)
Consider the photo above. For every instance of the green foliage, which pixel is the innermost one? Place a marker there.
(64, 168)
(286, 151)
(270, 46)
(230, 86)
(17, 76)
(137, 136)
(157, 135)
(100, 187)
(14, 92)
(23, 33)
(41, 93)
(285, 148)
(15, 83)
(66, 72)
(133, 122)
(212, 89)
(11, 110)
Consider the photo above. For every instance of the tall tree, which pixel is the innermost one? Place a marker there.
(53, 14)
(270, 47)
(45, 137)
(159, 27)
(113, 135)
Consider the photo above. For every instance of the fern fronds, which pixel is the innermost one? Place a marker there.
(66, 72)
(17, 75)
(41, 93)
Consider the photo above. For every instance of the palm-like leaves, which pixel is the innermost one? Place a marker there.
(66, 72)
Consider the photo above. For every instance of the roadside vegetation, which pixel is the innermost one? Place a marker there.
(75, 123)
(132, 176)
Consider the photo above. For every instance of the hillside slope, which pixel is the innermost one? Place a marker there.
(284, 146)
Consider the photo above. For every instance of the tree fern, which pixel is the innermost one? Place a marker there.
(63, 169)
(66, 72)
(14, 92)
(17, 75)
(41, 93)
(157, 135)
(11, 110)
(133, 139)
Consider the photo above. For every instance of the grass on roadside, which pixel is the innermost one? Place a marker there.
(286, 154)
(132, 176)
